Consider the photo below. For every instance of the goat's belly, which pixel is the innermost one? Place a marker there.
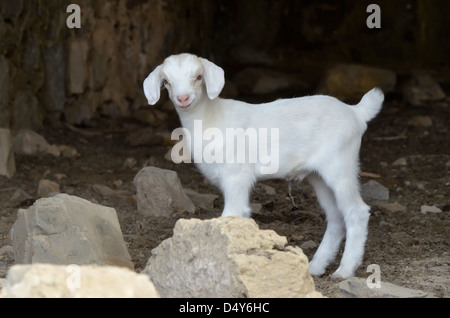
(286, 170)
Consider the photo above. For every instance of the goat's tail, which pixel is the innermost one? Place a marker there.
(370, 104)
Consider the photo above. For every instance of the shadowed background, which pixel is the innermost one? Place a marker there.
(51, 74)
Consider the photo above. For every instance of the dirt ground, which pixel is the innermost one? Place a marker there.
(411, 248)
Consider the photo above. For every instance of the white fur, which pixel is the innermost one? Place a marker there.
(319, 139)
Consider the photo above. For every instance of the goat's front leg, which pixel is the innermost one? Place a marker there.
(236, 190)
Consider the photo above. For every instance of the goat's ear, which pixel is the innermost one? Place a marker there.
(152, 86)
(214, 78)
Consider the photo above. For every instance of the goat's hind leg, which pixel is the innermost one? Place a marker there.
(334, 233)
(356, 218)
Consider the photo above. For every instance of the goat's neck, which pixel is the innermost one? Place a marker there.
(199, 112)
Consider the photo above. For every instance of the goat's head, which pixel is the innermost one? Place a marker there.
(183, 76)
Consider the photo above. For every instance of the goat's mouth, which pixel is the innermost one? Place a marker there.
(185, 107)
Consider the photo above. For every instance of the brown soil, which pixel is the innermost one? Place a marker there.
(411, 248)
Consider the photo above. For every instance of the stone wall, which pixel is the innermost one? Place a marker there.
(50, 73)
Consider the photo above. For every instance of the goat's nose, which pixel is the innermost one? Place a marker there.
(183, 98)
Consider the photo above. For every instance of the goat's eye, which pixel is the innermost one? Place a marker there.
(199, 78)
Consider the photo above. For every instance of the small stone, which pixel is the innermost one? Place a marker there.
(420, 121)
(374, 190)
(392, 207)
(117, 183)
(130, 163)
(47, 188)
(256, 207)
(400, 162)
(159, 193)
(60, 176)
(308, 245)
(203, 200)
(67, 151)
(422, 89)
(103, 190)
(385, 224)
(429, 209)
(268, 189)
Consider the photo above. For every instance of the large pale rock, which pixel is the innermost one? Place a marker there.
(7, 161)
(73, 281)
(228, 257)
(351, 81)
(358, 288)
(159, 193)
(66, 229)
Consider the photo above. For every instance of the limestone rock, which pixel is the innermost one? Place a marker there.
(66, 229)
(228, 257)
(159, 193)
(351, 81)
(7, 160)
(73, 281)
(357, 288)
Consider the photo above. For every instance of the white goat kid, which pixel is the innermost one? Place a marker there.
(319, 139)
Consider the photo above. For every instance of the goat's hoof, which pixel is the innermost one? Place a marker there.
(342, 273)
(316, 269)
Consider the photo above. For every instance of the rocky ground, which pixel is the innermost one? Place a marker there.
(406, 149)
